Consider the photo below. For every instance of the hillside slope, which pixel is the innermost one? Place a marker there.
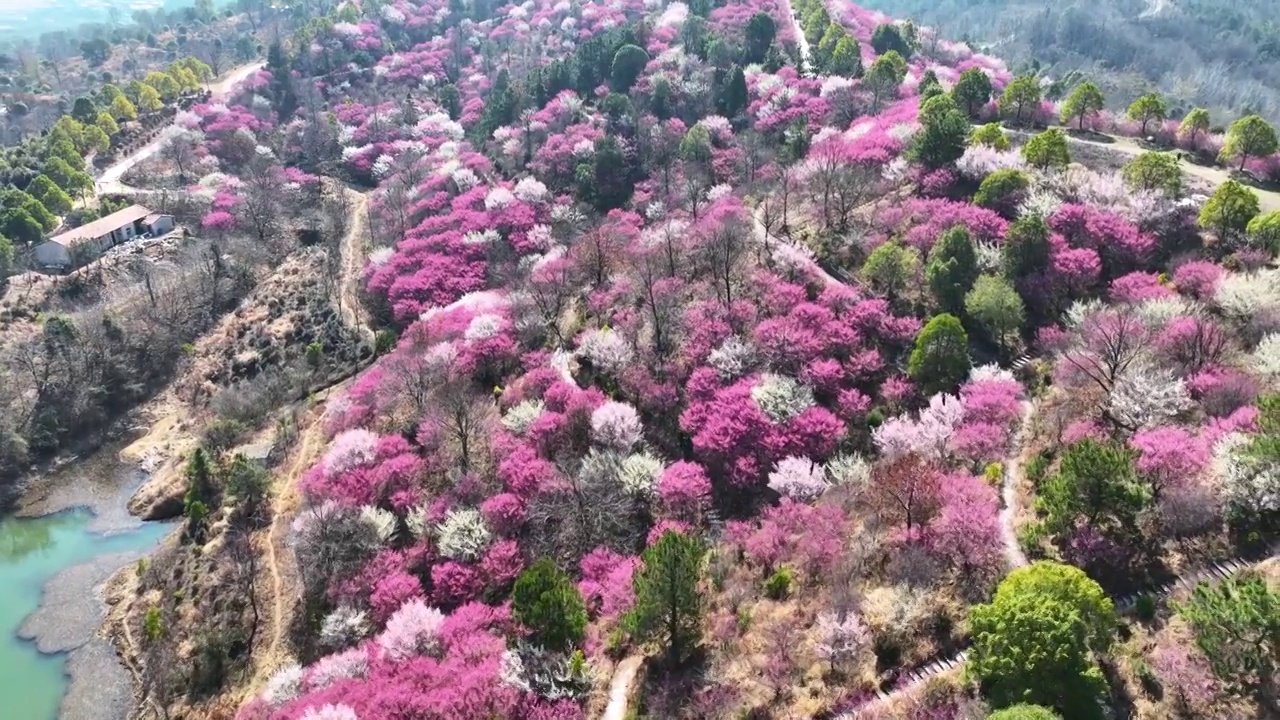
(1219, 55)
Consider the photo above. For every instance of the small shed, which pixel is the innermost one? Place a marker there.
(158, 224)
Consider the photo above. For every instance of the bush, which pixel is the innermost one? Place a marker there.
(152, 626)
(1024, 712)
(1039, 466)
(546, 601)
(1003, 191)
(993, 473)
(1031, 539)
(222, 434)
(1145, 607)
(384, 341)
(778, 585)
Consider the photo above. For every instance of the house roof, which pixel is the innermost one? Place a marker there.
(152, 218)
(101, 226)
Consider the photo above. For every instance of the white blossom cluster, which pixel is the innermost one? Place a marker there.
(463, 535)
(733, 359)
(382, 521)
(896, 170)
(487, 236)
(521, 416)
(1080, 311)
(1040, 202)
(383, 166)
(851, 470)
(344, 627)
(416, 521)
(414, 629)
(798, 478)
(1243, 295)
(329, 711)
(465, 179)
(795, 257)
(531, 190)
(990, 372)
(979, 161)
(674, 15)
(833, 84)
(1157, 312)
(350, 665)
(782, 397)
(607, 350)
(719, 191)
(483, 327)
(498, 198)
(616, 425)
(1250, 484)
(639, 474)
(989, 256)
(566, 214)
(841, 640)
(1266, 357)
(1145, 396)
(284, 686)
(540, 236)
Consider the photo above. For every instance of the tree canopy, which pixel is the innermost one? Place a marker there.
(1034, 642)
(940, 359)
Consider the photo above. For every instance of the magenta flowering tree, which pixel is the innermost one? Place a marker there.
(921, 221)
(783, 536)
(1168, 458)
(684, 492)
(966, 530)
(1121, 245)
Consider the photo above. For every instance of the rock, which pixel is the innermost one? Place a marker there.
(160, 497)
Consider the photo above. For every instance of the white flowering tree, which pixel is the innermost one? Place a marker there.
(781, 397)
(616, 425)
(1250, 481)
(463, 535)
(1145, 396)
(841, 640)
(414, 629)
(639, 474)
(733, 359)
(798, 478)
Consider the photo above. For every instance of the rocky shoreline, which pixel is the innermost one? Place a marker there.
(75, 612)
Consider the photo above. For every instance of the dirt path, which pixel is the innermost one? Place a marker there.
(802, 42)
(281, 568)
(354, 253)
(109, 181)
(1013, 555)
(1211, 176)
(620, 687)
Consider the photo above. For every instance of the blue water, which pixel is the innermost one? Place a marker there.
(32, 551)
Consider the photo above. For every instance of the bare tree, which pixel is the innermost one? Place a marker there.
(1111, 341)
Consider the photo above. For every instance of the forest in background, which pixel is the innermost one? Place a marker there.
(1207, 53)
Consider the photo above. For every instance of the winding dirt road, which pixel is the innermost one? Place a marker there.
(1210, 176)
(109, 181)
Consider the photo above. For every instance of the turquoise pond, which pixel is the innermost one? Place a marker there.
(32, 551)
